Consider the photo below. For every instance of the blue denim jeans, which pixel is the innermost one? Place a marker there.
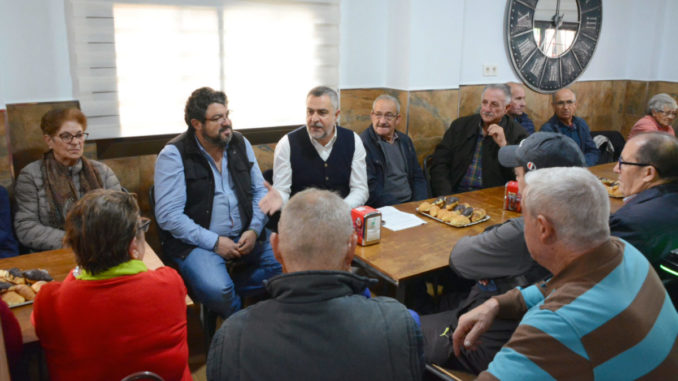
(207, 277)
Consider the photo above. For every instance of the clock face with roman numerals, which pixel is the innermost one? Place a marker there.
(551, 41)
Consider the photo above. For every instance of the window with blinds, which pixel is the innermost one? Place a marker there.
(134, 63)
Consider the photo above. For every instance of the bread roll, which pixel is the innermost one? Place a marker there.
(12, 298)
(24, 290)
(459, 220)
(36, 286)
(478, 214)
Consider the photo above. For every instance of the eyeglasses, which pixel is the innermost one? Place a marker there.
(144, 224)
(68, 138)
(620, 162)
(671, 114)
(219, 118)
(563, 103)
(388, 116)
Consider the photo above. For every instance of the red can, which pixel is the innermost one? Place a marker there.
(512, 196)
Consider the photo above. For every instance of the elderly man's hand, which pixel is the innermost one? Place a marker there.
(497, 133)
(246, 242)
(227, 248)
(272, 202)
(473, 324)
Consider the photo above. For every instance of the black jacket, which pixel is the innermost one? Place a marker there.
(454, 154)
(318, 326)
(649, 221)
(376, 171)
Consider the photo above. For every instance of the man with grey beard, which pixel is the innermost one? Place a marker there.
(466, 158)
(321, 154)
(207, 187)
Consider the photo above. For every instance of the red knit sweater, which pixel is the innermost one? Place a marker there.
(108, 329)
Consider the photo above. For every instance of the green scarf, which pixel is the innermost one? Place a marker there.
(130, 267)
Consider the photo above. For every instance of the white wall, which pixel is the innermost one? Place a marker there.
(34, 50)
(667, 56)
(451, 40)
(363, 32)
(403, 44)
(437, 27)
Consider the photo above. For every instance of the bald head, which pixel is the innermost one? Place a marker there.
(660, 150)
(564, 103)
(315, 233)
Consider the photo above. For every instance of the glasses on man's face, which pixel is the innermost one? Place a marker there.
(563, 103)
(620, 162)
(144, 224)
(219, 118)
(68, 138)
(388, 116)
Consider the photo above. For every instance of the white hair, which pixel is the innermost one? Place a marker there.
(498, 86)
(388, 98)
(659, 102)
(319, 91)
(573, 200)
(315, 228)
(553, 96)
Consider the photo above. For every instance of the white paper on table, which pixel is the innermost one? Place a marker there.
(396, 220)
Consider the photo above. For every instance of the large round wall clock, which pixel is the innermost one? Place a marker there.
(551, 41)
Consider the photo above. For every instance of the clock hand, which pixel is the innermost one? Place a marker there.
(557, 21)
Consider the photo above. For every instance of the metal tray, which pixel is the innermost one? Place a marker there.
(487, 217)
(21, 304)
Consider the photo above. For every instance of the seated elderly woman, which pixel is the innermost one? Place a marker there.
(111, 317)
(47, 188)
(661, 111)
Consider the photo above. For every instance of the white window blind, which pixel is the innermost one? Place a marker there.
(134, 63)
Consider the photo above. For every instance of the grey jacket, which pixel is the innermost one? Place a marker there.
(31, 221)
(497, 252)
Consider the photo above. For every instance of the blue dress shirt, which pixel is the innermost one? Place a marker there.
(170, 195)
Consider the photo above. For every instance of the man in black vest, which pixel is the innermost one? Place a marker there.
(207, 186)
(321, 154)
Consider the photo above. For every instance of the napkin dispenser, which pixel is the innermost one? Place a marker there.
(367, 225)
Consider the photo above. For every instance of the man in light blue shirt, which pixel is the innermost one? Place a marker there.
(207, 186)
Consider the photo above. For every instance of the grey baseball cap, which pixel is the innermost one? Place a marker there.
(542, 150)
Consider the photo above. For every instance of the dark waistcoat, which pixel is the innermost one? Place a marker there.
(200, 186)
(309, 170)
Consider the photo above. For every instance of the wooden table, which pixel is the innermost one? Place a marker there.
(58, 263)
(409, 253)
(404, 255)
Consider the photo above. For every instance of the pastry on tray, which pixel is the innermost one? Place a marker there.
(451, 211)
(18, 287)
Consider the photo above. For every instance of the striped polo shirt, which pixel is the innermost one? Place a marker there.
(605, 316)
